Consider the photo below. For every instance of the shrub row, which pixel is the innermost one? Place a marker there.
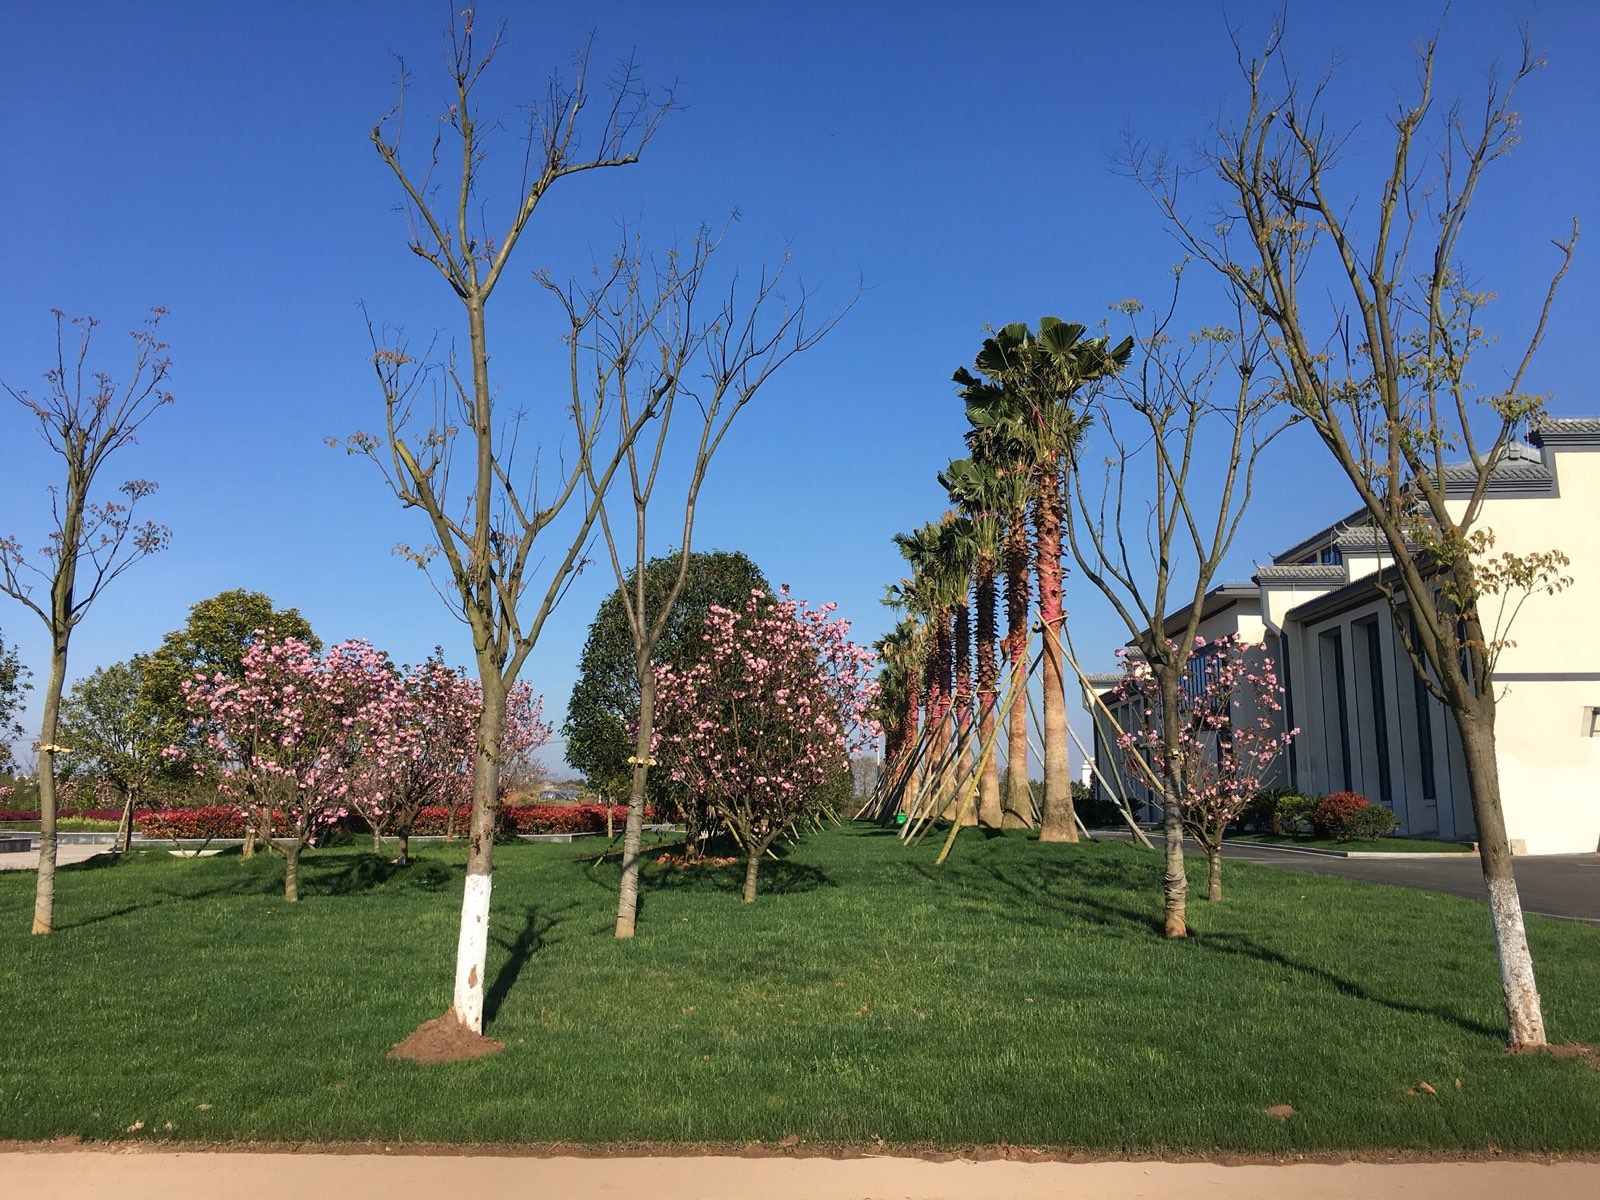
(220, 820)
(1342, 816)
(25, 815)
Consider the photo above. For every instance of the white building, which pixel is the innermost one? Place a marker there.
(1367, 723)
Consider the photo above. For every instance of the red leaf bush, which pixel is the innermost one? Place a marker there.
(211, 821)
(31, 816)
(1336, 815)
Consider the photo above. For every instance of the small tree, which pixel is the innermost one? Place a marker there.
(1229, 735)
(769, 716)
(112, 732)
(84, 417)
(13, 686)
(297, 733)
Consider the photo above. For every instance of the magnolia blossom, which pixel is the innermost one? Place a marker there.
(1228, 735)
(774, 708)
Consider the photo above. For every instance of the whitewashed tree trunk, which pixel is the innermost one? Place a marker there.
(472, 952)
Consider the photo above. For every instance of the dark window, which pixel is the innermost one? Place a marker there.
(1333, 662)
(1380, 712)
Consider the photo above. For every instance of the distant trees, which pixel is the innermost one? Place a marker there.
(603, 711)
(767, 718)
(84, 416)
(13, 686)
(111, 731)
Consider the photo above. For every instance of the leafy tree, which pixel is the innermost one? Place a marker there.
(767, 718)
(13, 684)
(111, 731)
(604, 709)
(214, 640)
(84, 416)
(1374, 325)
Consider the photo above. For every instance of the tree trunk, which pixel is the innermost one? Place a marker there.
(1524, 1015)
(633, 831)
(377, 844)
(472, 944)
(403, 836)
(961, 765)
(291, 870)
(1174, 884)
(1058, 822)
(44, 895)
(1214, 872)
(752, 867)
(990, 814)
(1018, 804)
(125, 825)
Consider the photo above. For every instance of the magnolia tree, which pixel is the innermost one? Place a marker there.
(1229, 736)
(295, 734)
(769, 715)
(440, 707)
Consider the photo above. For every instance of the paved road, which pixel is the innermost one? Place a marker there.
(1551, 885)
(143, 1175)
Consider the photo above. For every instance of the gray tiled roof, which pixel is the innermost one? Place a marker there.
(1301, 573)
(1566, 431)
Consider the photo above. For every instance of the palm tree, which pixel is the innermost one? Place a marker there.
(984, 496)
(1000, 452)
(1037, 376)
(936, 589)
(898, 709)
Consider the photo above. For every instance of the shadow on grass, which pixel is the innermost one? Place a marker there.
(529, 941)
(365, 872)
(1105, 891)
(1233, 943)
(780, 877)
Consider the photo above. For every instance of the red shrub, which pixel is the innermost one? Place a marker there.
(1333, 815)
(21, 815)
(211, 821)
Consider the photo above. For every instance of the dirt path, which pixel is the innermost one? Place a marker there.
(141, 1175)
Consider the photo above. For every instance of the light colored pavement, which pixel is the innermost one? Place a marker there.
(75, 1175)
(67, 852)
(1551, 885)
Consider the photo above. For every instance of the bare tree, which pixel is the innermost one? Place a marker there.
(84, 417)
(486, 532)
(1374, 326)
(651, 343)
(1182, 432)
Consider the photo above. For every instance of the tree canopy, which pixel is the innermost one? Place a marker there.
(605, 700)
(13, 683)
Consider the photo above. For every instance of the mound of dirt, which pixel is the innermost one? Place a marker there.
(444, 1039)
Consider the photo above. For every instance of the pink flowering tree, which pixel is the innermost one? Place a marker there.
(771, 712)
(1229, 736)
(440, 708)
(296, 735)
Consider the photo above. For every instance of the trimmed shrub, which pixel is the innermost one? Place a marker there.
(1331, 818)
(210, 821)
(1369, 823)
(1293, 814)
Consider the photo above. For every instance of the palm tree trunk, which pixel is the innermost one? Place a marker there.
(962, 759)
(990, 815)
(1018, 803)
(1058, 822)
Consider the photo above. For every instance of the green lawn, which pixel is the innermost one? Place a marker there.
(1017, 994)
(1384, 845)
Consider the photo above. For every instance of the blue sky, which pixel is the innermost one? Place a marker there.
(214, 159)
